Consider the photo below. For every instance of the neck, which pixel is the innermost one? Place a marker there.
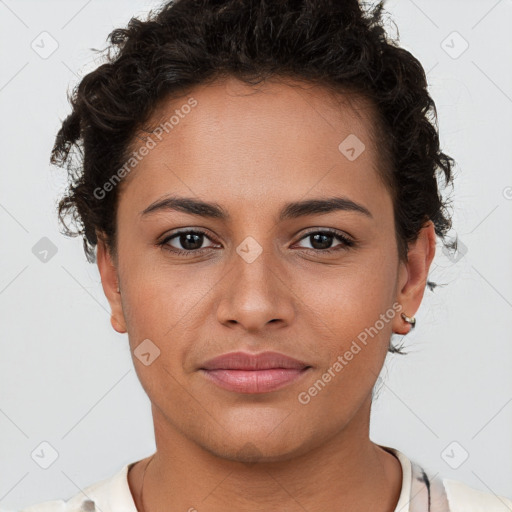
(347, 472)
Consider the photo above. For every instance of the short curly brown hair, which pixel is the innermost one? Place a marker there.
(340, 45)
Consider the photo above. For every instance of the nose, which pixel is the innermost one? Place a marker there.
(257, 291)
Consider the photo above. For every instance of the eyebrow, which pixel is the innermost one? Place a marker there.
(291, 210)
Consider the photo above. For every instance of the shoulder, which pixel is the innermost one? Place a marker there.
(97, 497)
(463, 498)
(424, 491)
(45, 506)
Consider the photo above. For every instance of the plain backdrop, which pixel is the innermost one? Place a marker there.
(66, 377)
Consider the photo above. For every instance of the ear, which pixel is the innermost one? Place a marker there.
(110, 283)
(413, 276)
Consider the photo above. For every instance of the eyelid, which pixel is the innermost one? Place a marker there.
(331, 231)
(181, 231)
(346, 240)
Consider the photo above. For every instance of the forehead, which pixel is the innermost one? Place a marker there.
(230, 104)
(274, 138)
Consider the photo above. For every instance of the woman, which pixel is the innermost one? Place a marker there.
(258, 184)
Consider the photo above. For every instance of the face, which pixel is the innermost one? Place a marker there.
(318, 282)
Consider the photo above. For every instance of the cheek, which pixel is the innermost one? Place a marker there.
(169, 305)
(347, 298)
(354, 349)
(353, 317)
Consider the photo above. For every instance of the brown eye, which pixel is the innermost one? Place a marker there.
(183, 242)
(321, 241)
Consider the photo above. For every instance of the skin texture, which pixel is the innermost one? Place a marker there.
(251, 151)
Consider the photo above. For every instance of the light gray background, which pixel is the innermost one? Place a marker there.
(67, 378)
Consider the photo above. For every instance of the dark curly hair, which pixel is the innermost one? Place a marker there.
(341, 45)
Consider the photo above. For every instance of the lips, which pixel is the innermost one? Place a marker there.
(253, 373)
(245, 361)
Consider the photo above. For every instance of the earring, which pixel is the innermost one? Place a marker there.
(410, 320)
(118, 290)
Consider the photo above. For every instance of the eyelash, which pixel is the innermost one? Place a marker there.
(347, 242)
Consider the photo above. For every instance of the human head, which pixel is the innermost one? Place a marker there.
(191, 46)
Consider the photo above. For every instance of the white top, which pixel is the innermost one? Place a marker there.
(418, 490)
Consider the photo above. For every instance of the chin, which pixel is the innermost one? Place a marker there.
(255, 445)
